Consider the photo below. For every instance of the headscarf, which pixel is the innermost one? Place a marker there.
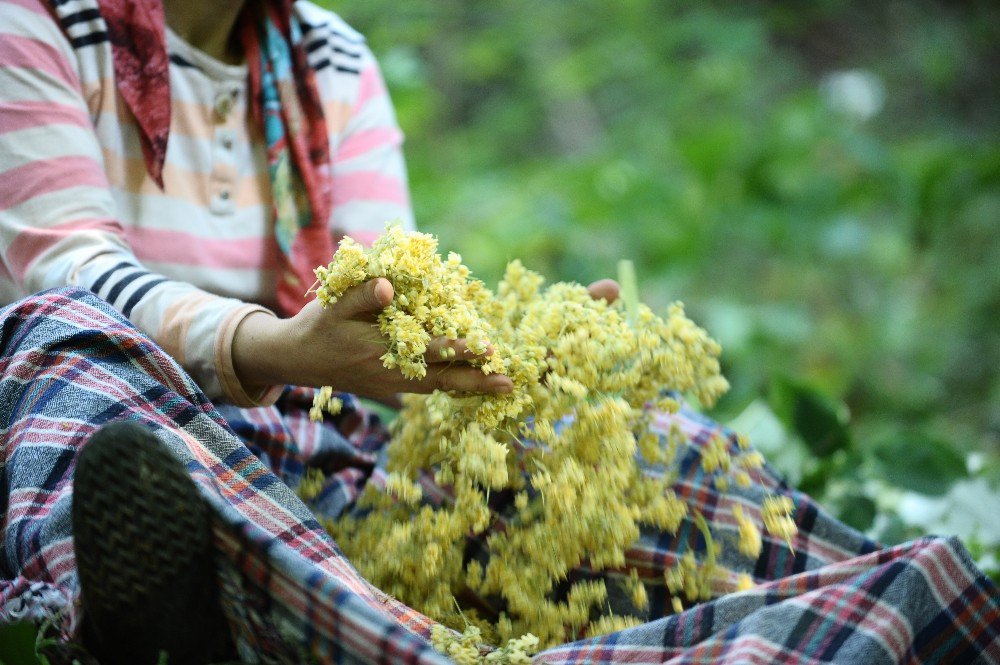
(284, 100)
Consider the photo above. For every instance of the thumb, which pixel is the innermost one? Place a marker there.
(368, 298)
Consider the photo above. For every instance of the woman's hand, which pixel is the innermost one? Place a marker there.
(341, 346)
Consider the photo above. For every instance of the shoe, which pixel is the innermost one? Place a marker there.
(143, 541)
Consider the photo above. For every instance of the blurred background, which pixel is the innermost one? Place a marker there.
(818, 182)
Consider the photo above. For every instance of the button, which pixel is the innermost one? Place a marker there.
(226, 138)
(224, 102)
(223, 203)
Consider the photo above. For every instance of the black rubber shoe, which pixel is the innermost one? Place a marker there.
(144, 553)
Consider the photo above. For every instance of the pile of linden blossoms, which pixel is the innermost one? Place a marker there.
(548, 478)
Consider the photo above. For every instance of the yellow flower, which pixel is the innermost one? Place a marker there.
(742, 479)
(402, 488)
(776, 513)
(587, 398)
(750, 541)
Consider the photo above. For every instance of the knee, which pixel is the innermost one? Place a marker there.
(63, 298)
(55, 314)
(64, 294)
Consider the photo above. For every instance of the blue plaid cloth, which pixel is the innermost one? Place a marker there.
(70, 363)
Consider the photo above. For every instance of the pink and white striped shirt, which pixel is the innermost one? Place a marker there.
(187, 263)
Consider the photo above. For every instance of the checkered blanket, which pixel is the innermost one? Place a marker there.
(69, 363)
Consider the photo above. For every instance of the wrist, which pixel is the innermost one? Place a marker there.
(257, 351)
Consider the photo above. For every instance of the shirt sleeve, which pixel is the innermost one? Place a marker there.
(369, 173)
(58, 223)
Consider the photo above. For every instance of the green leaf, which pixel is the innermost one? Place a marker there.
(17, 644)
(783, 451)
(857, 510)
(820, 420)
(918, 462)
(894, 530)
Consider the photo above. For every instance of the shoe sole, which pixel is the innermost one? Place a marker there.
(144, 554)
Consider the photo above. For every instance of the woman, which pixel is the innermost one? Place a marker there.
(182, 169)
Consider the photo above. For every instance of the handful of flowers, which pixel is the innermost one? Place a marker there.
(556, 475)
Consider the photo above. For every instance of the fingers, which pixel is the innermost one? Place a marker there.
(393, 401)
(604, 288)
(444, 350)
(369, 298)
(449, 378)
(465, 379)
(445, 357)
(446, 371)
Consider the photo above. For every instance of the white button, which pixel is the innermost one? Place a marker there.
(223, 203)
(226, 138)
(224, 103)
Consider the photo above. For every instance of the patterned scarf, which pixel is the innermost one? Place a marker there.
(285, 100)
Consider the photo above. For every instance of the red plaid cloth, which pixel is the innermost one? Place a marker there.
(70, 363)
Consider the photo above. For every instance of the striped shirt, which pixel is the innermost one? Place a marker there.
(186, 263)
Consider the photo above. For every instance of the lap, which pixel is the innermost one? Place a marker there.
(69, 363)
(830, 594)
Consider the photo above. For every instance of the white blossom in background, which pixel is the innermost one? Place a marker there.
(855, 93)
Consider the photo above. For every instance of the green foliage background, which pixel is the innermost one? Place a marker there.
(849, 263)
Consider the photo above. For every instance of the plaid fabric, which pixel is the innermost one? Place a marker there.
(69, 364)
(922, 602)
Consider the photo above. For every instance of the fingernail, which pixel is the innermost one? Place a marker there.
(499, 383)
(486, 353)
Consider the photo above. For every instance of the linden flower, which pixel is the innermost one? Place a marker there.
(750, 541)
(324, 400)
(776, 513)
(401, 488)
(311, 485)
(744, 582)
(743, 440)
(610, 624)
(751, 460)
(552, 465)
(637, 591)
(715, 456)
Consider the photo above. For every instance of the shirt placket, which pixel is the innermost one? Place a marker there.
(228, 109)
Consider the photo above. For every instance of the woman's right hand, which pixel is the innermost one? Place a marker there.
(341, 346)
